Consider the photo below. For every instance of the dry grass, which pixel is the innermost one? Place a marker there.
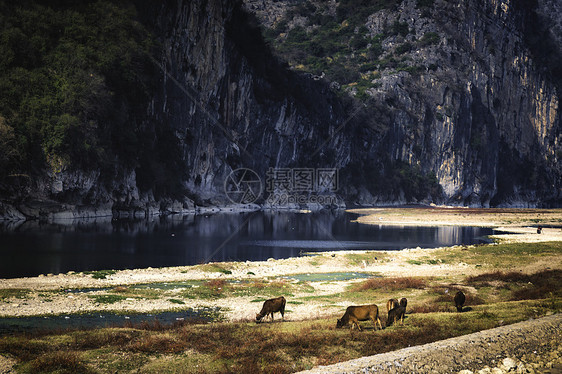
(540, 285)
(390, 284)
(281, 347)
(512, 276)
(60, 362)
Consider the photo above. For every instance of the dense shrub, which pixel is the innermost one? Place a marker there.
(66, 69)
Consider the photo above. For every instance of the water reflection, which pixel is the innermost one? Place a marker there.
(32, 248)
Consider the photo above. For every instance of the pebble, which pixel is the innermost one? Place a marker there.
(509, 363)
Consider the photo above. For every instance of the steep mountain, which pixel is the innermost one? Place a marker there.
(469, 89)
(411, 101)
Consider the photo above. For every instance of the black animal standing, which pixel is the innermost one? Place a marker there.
(396, 314)
(459, 301)
(272, 306)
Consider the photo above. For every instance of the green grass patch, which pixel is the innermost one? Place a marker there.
(221, 288)
(176, 301)
(214, 268)
(100, 274)
(18, 293)
(415, 262)
(355, 259)
(108, 299)
(501, 256)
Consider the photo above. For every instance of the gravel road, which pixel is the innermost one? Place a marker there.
(533, 346)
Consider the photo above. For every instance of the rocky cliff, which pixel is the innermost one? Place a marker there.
(464, 109)
(469, 91)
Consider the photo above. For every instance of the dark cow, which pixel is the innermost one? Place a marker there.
(396, 314)
(356, 313)
(459, 301)
(272, 306)
(403, 302)
(392, 303)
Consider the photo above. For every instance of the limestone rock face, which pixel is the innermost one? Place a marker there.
(479, 111)
(482, 115)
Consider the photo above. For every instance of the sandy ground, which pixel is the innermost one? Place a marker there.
(516, 222)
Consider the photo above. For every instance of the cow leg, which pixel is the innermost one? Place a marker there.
(379, 321)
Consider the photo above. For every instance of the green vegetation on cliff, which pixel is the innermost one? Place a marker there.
(72, 75)
(340, 45)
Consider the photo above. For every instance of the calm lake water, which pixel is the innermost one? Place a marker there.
(34, 248)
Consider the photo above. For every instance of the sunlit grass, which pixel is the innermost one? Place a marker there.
(500, 256)
(234, 347)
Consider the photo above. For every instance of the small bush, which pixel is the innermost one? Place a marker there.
(158, 344)
(403, 48)
(102, 338)
(429, 38)
(59, 362)
(100, 274)
(216, 284)
(108, 299)
(176, 301)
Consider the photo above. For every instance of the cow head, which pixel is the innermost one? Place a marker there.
(258, 317)
(339, 324)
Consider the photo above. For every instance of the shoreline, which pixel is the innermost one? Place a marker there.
(384, 263)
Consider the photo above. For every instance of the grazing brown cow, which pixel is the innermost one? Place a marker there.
(356, 313)
(459, 301)
(396, 314)
(403, 302)
(391, 304)
(272, 306)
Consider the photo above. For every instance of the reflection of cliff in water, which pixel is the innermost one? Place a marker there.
(33, 248)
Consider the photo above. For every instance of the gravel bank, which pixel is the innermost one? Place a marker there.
(533, 346)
